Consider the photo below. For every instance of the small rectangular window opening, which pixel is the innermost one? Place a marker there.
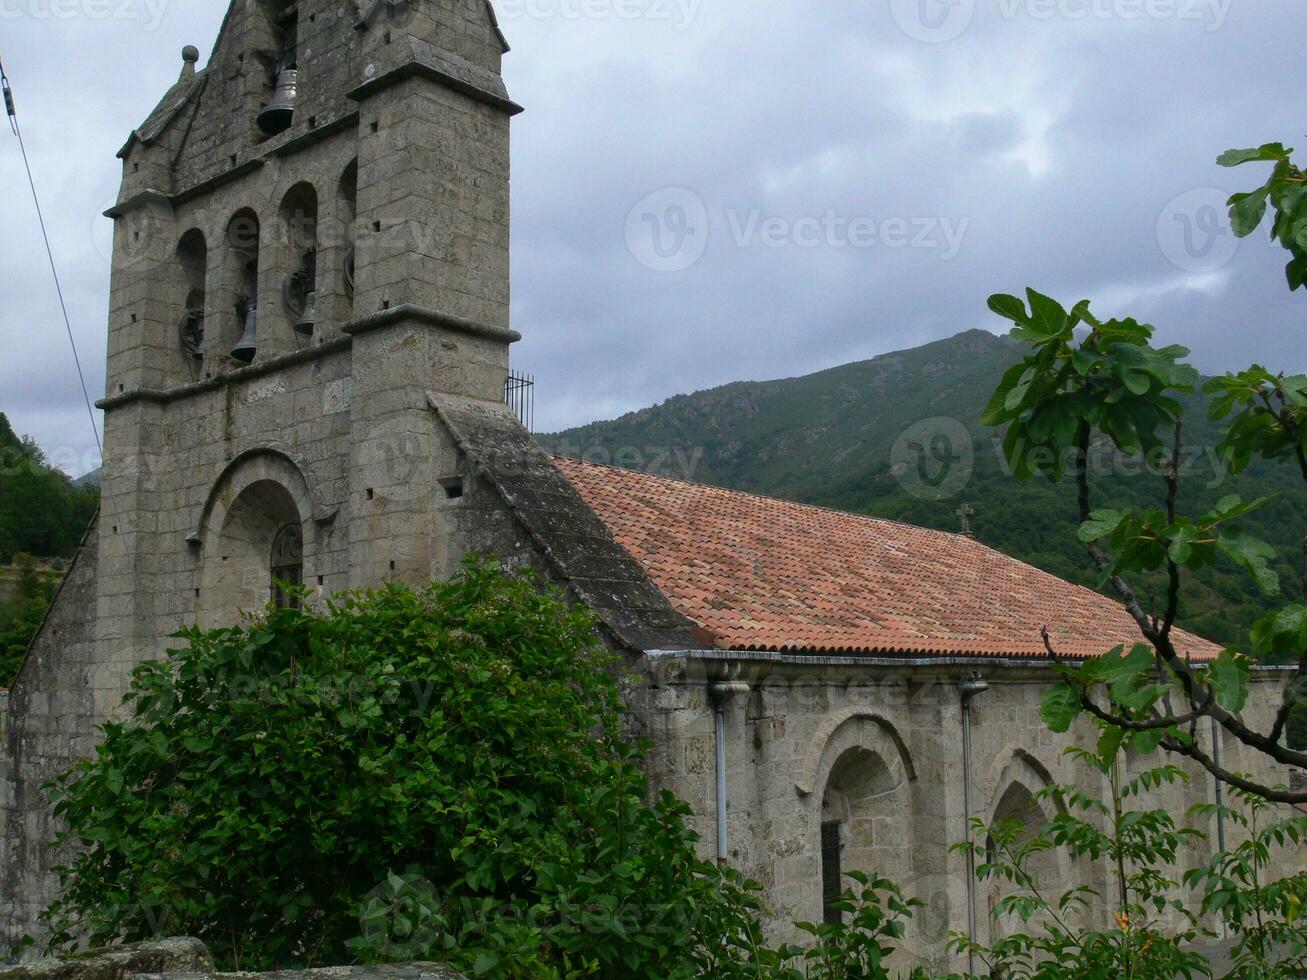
(453, 488)
(831, 873)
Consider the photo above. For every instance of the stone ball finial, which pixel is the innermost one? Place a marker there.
(190, 54)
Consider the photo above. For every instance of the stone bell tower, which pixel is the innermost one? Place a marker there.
(311, 248)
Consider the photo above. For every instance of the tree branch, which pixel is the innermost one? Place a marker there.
(1230, 778)
(1096, 552)
(1172, 497)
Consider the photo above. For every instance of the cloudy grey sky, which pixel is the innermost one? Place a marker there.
(712, 190)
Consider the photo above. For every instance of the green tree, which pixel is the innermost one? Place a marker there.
(1059, 936)
(1087, 379)
(21, 614)
(439, 770)
(41, 511)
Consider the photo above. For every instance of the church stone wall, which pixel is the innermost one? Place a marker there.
(879, 748)
(54, 707)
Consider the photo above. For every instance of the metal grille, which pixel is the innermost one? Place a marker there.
(520, 396)
(831, 874)
(287, 564)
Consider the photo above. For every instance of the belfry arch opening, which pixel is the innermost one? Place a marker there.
(189, 303)
(348, 192)
(239, 336)
(299, 259)
(258, 552)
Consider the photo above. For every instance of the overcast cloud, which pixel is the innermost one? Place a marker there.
(713, 190)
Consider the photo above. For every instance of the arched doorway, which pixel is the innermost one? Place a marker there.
(1018, 805)
(259, 546)
(864, 819)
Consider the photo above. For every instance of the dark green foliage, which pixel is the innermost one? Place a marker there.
(1246, 887)
(439, 770)
(21, 610)
(878, 915)
(1285, 192)
(827, 439)
(1154, 929)
(42, 513)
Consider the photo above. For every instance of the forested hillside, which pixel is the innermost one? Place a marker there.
(42, 517)
(899, 437)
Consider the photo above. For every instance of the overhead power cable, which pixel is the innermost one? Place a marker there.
(40, 217)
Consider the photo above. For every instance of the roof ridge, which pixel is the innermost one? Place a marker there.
(986, 558)
(778, 500)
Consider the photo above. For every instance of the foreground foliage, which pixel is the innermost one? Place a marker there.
(1087, 379)
(276, 783)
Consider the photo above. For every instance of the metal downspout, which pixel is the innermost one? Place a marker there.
(968, 689)
(720, 693)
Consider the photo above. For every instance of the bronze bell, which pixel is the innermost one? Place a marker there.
(246, 346)
(276, 116)
(309, 317)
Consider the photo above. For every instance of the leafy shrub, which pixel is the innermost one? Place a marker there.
(1154, 930)
(1263, 913)
(280, 789)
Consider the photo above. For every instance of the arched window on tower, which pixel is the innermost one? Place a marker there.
(299, 240)
(349, 215)
(192, 262)
(241, 280)
(276, 44)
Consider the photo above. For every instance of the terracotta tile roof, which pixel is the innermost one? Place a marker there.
(757, 573)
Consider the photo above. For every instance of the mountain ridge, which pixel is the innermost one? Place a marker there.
(898, 436)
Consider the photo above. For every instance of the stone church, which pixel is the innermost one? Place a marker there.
(308, 350)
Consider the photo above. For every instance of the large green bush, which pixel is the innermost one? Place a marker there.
(436, 772)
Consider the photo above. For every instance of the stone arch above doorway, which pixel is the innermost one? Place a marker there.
(847, 729)
(259, 525)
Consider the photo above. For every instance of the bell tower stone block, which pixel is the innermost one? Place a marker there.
(311, 243)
